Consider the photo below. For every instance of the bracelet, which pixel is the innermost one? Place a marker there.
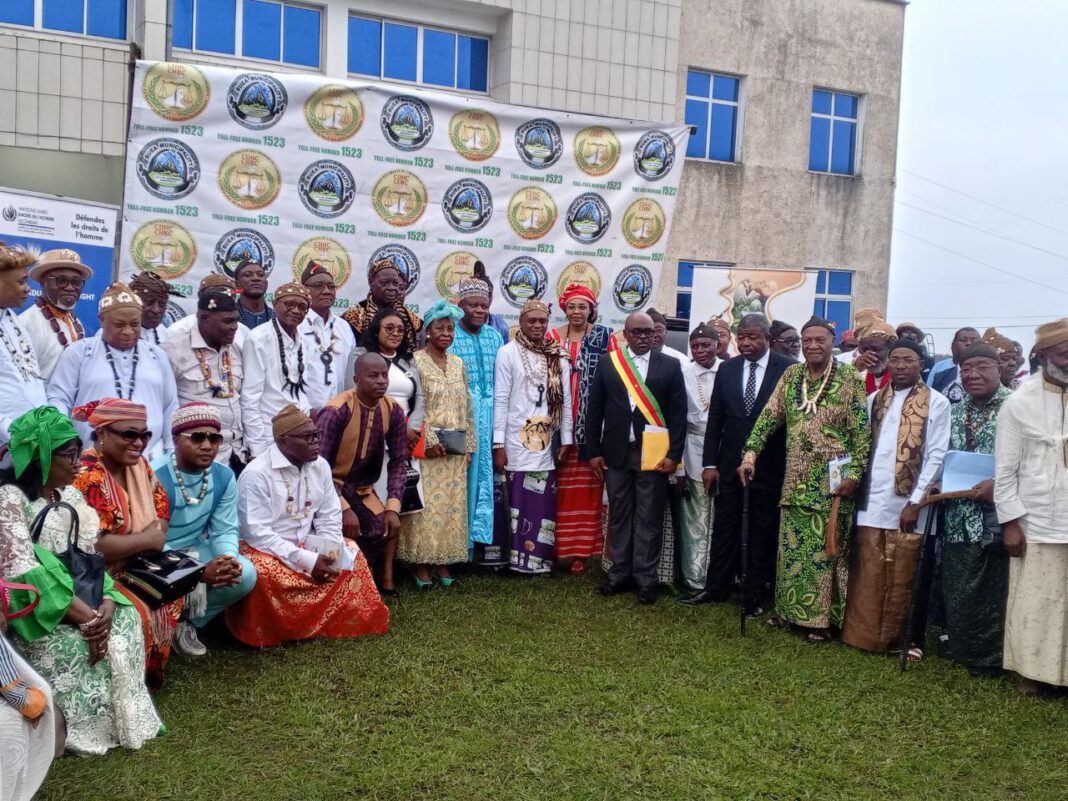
(83, 627)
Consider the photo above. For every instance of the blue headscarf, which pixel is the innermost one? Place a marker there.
(440, 310)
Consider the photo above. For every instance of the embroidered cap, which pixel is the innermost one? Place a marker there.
(216, 281)
(195, 414)
(314, 268)
(998, 341)
(118, 296)
(150, 286)
(292, 290)
(472, 288)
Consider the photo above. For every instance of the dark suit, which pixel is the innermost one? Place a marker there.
(728, 429)
(635, 497)
(944, 380)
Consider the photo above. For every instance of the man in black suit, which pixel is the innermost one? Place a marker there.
(743, 386)
(614, 430)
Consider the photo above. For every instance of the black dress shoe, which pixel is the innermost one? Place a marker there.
(702, 597)
(647, 595)
(611, 588)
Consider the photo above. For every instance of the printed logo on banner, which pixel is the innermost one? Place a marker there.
(176, 92)
(475, 134)
(403, 259)
(399, 197)
(328, 252)
(10, 213)
(588, 218)
(406, 122)
(168, 168)
(249, 179)
(164, 247)
(654, 155)
(531, 212)
(539, 143)
(241, 245)
(632, 288)
(596, 150)
(579, 272)
(643, 223)
(523, 278)
(452, 270)
(467, 205)
(256, 101)
(173, 314)
(326, 188)
(334, 113)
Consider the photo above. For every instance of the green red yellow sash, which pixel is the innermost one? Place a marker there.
(644, 400)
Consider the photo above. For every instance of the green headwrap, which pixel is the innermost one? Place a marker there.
(35, 435)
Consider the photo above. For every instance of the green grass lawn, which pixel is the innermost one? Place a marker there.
(511, 688)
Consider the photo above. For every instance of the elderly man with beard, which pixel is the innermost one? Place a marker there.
(873, 352)
(1031, 495)
(154, 293)
(532, 404)
(386, 290)
(252, 308)
(50, 323)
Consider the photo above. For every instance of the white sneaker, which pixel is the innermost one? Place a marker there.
(186, 640)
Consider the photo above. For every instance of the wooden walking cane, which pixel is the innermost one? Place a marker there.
(745, 557)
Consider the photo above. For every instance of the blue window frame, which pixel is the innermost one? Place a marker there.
(404, 52)
(833, 132)
(834, 298)
(269, 30)
(713, 110)
(104, 18)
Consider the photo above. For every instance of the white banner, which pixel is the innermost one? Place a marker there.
(732, 293)
(224, 165)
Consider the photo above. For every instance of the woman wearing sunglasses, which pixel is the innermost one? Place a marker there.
(93, 658)
(132, 505)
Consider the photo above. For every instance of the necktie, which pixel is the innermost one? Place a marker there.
(749, 399)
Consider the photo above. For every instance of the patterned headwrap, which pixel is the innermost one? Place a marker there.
(440, 310)
(106, 411)
(379, 265)
(118, 296)
(472, 288)
(35, 435)
(572, 291)
(150, 286)
(535, 305)
(289, 418)
(998, 341)
(195, 415)
(1051, 334)
(292, 290)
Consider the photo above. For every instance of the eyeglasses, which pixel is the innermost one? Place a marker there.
(310, 438)
(66, 283)
(199, 437)
(294, 306)
(640, 333)
(903, 361)
(393, 329)
(71, 452)
(131, 434)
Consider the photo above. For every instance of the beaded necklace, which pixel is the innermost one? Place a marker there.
(155, 333)
(226, 366)
(291, 502)
(701, 390)
(75, 324)
(115, 372)
(23, 355)
(809, 406)
(535, 379)
(190, 501)
(294, 388)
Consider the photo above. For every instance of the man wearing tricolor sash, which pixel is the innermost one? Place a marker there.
(636, 431)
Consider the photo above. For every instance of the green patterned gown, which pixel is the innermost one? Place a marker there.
(810, 585)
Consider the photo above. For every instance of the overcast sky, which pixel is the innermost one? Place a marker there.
(984, 112)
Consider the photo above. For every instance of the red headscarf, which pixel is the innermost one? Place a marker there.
(581, 291)
(110, 410)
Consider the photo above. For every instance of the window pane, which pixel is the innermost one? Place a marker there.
(698, 84)
(839, 282)
(821, 102)
(183, 23)
(682, 303)
(845, 106)
(439, 58)
(821, 282)
(261, 30)
(216, 25)
(697, 115)
(819, 144)
(838, 312)
(472, 66)
(845, 134)
(819, 308)
(725, 88)
(365, 46)
(19, 12)
(107, 18)
(400, 51)
(724, 117)
(685, 274)
(301, 33)
(64, 15)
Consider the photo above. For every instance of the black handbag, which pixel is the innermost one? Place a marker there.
(159, 577)
(454, 440)
(411, 499)
(86, 569)
(993, 539)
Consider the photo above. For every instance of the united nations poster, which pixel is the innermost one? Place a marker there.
(46, 222)
(225, 166)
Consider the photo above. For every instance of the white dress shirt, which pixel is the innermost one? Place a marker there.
(268, 525)
(262, 396)
(699, 384)
(21, 385)
(677, 355)
(45, 341)
(318, 336)
(155, 336)
(515, 405)
(884, 504)
(189, 322)
(181, 347)
(641, 365)
(83, 374)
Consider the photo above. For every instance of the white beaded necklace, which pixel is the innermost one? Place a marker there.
(809, 406)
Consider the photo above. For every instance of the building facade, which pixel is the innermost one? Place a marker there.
(793, 106)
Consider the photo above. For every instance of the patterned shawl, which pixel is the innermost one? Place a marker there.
(553, 353)
(911, 433)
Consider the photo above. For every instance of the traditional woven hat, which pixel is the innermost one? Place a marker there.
(472, 288)
(998, 341)
(534, 304)
(292, 290)
(149, 285)
(118, 296)
(195, 414)
(216, 281)
(56, 258)
(878, 329)
(288, 419)
(1051, 334)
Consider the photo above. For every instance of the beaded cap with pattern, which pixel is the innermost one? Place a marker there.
(118, 296)
(292, 290)
(472, 288)
(533, 305)
(195, 414)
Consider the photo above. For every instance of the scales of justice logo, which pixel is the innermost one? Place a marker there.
(168, 168)
(475, 134)
(539, 143)
(453, 269)
(256, 101)
(588, 218)
(399, 197)
(467, 205)
(632, 288)
(328, 252)
(164, 247)
(407, 122)
(176, 92)
(654, 155)
(249, 179)
(579, 272)
(334, 113)
(403, 259)
(326, 188)
(241, 245)
(596, 150)
(644, 222)
(531, 212)
(524, 278)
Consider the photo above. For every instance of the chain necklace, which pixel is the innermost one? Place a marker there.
(115, 372)
(535, 379)
(809, 406)
(291, 501)
(326, 355)
(190, 501)
(294, 388)
(22, 355)
(226, 366)
(701, 389)
(77, 330)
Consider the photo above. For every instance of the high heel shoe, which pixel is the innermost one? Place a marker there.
(445, 581)
(423, 585)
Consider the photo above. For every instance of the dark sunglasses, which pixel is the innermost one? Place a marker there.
(199, 437)
(311, 438)
(132, 434)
